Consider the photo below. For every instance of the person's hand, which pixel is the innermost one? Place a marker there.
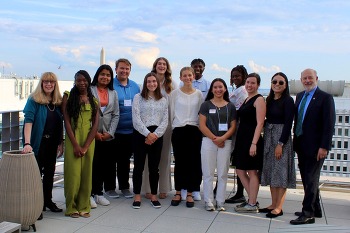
(322, 153)
(151, 137)
(98, 137)
(27, 149)
(252, 150)
(105, 136)
(60, 150)
(278, 151)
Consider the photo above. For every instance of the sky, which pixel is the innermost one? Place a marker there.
(266, 36)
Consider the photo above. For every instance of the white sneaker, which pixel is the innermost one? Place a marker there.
(112, 194)
(209, 206)
(196, 196)
(183, 194)
(220, 206)
(92, 203)
(101, 200)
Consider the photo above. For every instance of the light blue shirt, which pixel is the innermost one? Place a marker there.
(125, 112)
(308, 100)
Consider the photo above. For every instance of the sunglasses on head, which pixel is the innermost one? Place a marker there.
(279, 82)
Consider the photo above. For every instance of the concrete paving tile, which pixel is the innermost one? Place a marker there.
(58, 225)
(174, 224)
(91, 228)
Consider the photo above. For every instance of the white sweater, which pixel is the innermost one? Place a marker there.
(185, 108)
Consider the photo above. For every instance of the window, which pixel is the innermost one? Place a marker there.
(332, 156)
(324, 167)
(338, 156)
(345, 156)
(338, 168)
(346, 132)
(346, 119)
(346, 145)
(340, 119)
(339, 144)
(331, 168)
(340, 131)
(345, 169)
(333, 144)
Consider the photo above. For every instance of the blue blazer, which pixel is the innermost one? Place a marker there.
(318, 124)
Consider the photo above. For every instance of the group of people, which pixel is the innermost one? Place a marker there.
(108, 120)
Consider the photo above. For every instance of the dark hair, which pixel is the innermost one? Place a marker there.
(210, 94)
(99, 70)
(242, 70)
(284, 93)
(73, 102)
(157, 92)
(255, 75)
(197, 60)
(167, 76)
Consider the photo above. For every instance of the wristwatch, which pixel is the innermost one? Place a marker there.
(280, 143)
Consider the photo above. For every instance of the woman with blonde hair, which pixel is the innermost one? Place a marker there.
(43, 131)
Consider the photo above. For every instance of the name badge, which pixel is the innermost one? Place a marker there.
(127, 102)
(222, 127)
(211, 111)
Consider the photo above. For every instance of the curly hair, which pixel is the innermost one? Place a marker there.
(242, 70)
(74, 104)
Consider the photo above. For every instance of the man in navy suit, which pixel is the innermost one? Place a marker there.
(313, 131)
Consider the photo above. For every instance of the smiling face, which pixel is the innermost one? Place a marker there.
(251, 85)
(48, 86)
(237, 78)
(278, 84)
(187, 76)
(104, 78)
(151, 83)
(198, 69)
(123, 71)
(309, 79)
(161, 67)
(218, 89)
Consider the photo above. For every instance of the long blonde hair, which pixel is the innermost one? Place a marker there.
(39, 95)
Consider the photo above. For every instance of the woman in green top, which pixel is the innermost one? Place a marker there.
(81, 122)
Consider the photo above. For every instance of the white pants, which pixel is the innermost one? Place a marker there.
(219, 158)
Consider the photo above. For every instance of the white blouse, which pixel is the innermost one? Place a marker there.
(185, 108)
(238, 96)
(149, 112)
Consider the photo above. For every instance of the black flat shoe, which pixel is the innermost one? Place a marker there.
(302, 220)
(272, 215)
(317, 214)
(176, 202)
(53, 207)
(235, 199)
(265, 210)
(41, 216)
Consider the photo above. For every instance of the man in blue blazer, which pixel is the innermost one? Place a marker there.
(313, 131)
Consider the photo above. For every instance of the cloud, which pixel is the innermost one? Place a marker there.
(262, 69)
(145, 57)
(140, 36)
(63, 51)
(219, 68)
(5, 64)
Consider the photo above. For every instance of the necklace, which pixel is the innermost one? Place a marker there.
(51, 110)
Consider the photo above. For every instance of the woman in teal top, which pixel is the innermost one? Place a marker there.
(81, 122)
(43, 131)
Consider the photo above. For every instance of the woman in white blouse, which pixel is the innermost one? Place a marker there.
(186, 138)
(148, 135)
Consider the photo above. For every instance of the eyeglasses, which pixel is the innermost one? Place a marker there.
(274, 82)
(47, 82)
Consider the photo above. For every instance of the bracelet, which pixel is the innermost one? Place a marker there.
(27, 144)
(254, 144)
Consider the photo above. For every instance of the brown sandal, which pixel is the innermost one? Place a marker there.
(189, 204)
(84, 214)
(74, 215)
(162, 195)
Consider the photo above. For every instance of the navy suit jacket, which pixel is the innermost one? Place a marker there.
(318, 124)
